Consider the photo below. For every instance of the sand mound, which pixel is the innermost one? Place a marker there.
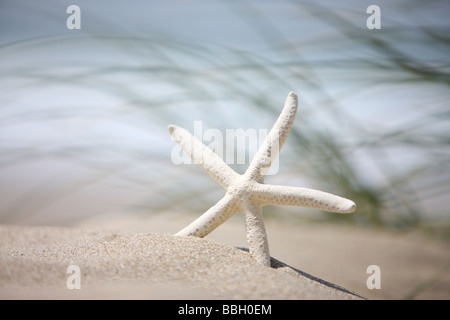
(117, 265)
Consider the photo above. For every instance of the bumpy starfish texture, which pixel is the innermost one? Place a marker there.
(247, 193)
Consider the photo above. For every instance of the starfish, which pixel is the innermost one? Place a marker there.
(247, 193)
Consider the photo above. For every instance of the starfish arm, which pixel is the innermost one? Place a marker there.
(258, 244)
(224, 209)
(271, 147)
(310, 198)
(203, 156)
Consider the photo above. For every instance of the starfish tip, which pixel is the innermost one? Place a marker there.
(351, 207)
(292, 99)
(171, 128)
(292, 95)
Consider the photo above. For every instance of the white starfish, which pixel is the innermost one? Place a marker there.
(246, 193)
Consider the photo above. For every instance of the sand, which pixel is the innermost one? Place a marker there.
(34, 262)
(125, 258)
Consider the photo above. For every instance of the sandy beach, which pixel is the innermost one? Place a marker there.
(137, 257)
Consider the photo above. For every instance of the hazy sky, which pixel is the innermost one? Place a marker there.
(235, 23)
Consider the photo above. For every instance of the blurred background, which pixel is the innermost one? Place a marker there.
(84, 113)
